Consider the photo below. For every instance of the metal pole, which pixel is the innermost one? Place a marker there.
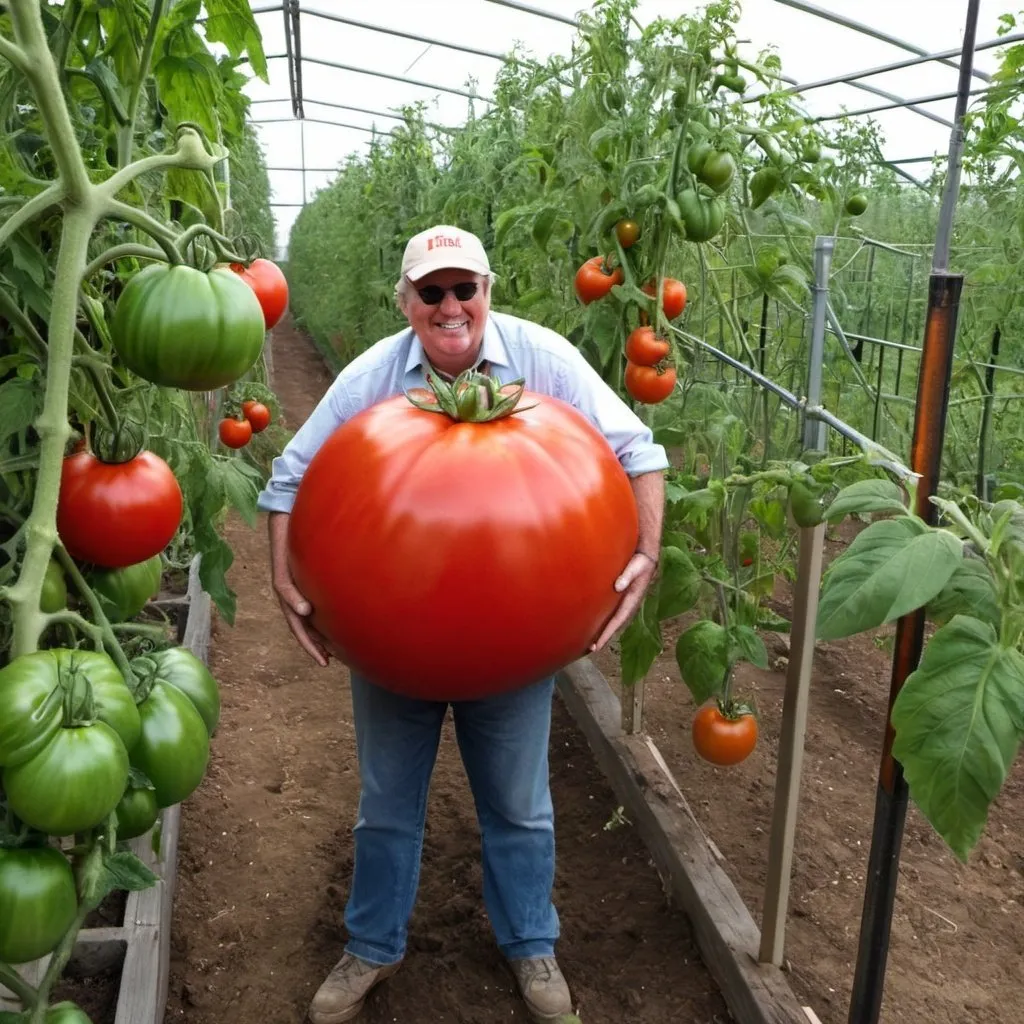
(801, 653)
(926, 459)
(527, 9)
(302, 158)
(396, 78)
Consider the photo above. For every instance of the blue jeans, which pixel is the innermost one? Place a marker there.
(503, 741)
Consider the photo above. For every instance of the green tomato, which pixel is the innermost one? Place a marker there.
(697, 154)
(175, 747)
(717, 171)
(123, 593)
(180, 668)
(67, 1013)
(54, 597)
(763, 183)
(702, 218)
(856, 204)
(182, 328)
(35, 688)
(38, 902)
(136, 813)
(811, 152)
(72, 784)
(805, 502)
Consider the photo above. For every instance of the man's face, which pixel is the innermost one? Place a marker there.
(451, 330)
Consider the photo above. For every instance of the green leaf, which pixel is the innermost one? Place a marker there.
(891, 568)
(970, 591)
(18, 406)
(241, 485)
(232, 23)
(639, 646)
(7, 1017)
(959, 720)
(866, 496)
(679, 586)
(543, 224)
(213, 566)
(746, 644)
(771, 515)
(702, 653)
(125, 871)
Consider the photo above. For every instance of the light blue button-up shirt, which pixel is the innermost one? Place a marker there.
(513, 348)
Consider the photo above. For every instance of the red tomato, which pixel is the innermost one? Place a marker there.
(673, 296)
(472, 558)
(721, 740)
(235, 433)
(646, 384)
(627, 232)
(117, 514)
(644, 349)
(257, 414)
(270, 285)
(592, 282)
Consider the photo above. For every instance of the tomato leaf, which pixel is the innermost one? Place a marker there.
(959, 721)
(746, 644)
(216, 558)
(893, 567)
(241, 483)
(232, 23)
(639, 645)
(702, 653)
(18, 406)
(123, 870)
(7, 1017)
(771, 515)
(680, 584)
(970, 591)
(866, 496)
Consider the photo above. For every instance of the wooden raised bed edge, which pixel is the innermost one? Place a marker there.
(727, 936)
(143, 940)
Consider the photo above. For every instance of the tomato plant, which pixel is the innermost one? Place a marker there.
(38, 901)
(447, 581)
(649, 384)
(268, 282)
(182, 328)
(234, 433)
(644, 348)
(594, 280)
(724, 737)
(257, 414)
(117, 514)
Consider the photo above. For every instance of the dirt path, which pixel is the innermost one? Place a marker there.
(266, 850)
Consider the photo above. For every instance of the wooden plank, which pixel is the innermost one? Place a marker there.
(725, 931)
(139, 999)
(633, 708)
(791, 746)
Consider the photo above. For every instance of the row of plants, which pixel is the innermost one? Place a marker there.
(135, 301)
(660, 187)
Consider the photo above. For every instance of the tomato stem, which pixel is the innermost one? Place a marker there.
(126, 136)
(117, 252)
(11, 979)
(473, 397)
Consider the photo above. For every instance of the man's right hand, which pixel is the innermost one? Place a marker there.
(295, 607)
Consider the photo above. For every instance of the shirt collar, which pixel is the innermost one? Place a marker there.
(492, 350)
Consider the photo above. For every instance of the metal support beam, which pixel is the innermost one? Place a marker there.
(893, 106)
(397, 78)
(527, 9)
(857, 26)
(447, 43)
(319, 120)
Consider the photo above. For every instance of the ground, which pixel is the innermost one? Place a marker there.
(265, 852)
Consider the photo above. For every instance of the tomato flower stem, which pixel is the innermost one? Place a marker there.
(118, 252)
(144, 222)
(220, 243)
(11, 979)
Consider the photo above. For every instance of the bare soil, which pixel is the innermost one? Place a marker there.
(265, 853)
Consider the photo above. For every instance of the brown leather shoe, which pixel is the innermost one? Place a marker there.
(345, 989)
(543, 988)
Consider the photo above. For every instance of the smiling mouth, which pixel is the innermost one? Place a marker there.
(453, 327)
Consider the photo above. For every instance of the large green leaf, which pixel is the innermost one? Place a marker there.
(866, 496)
(679, 585)
(892, 568)
(959, 720)
(970, 591)
(232, 23)
(639, 645)
(703, 656)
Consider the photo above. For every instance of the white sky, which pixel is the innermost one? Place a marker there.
(811, 48)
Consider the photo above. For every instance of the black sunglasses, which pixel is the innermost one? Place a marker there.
(433, 294)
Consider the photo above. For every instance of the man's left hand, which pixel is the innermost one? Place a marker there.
(632, 584)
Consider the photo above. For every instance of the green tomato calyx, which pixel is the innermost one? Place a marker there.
(473, 397)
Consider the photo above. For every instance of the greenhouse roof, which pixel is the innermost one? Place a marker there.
(343, 67)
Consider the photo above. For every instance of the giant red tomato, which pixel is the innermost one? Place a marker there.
(117, 513)
(266, 279)
(449, 560)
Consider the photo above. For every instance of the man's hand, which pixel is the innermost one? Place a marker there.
(632, 584)
(295, 607)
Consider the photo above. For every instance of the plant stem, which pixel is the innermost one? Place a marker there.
(14, 54)
(10, 310)
(35, 207)
(220, 242)
(118, 252)
(12, 980)
(144, 222)
(126, 137)
(189, 155)
(103, 394)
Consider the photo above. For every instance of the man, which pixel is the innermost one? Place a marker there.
(444, 293)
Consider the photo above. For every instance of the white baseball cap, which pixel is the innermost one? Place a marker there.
(441, 248)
